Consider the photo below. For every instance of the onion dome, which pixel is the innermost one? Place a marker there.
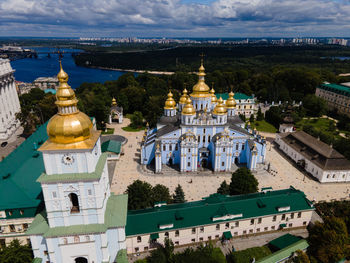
(200, 89)
(69, 125)
(188, 109)
(184, 97)
(114, 102)
(230, 102)
(220, 108)
(170, 103)
(214, 99)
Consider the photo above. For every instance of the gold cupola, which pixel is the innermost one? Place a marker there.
(201, 89)
(69, 128)
(114, 102)
(184, 97)
(220, 108)
(170, 103)
(188, 109)
(231, 102)
(214, 99)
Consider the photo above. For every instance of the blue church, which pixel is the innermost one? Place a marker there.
(201, 132)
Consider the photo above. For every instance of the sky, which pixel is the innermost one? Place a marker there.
(175, 18)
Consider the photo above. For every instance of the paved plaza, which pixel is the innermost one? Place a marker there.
(200, 185)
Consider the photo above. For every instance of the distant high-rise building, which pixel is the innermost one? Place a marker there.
(9, 103)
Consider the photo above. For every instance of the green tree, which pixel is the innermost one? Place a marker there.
(300, 257)
(179, 196)
(251, 119)
(160, 193)
(243, 182)
(136, 120)
(16, 253)
(329, 242)
(259, 115)
(139, 195)
(162, 253)
(273, 116)
(224, 188)
(314, 105)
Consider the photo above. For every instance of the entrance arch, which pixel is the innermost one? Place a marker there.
(74, 203)
(81, 260)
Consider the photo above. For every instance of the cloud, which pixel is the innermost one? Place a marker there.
(174, 17)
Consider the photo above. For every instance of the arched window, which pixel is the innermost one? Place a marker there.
(76, 239)
(166, 234)
(74, 202)
(65, 240)
(138, 239)
(81, 260)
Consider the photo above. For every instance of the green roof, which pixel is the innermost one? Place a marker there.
(111, 146)
(154, 236)
(115, 216)
(18, 174)
(228, 235)
(285, 252)
(52, 91)
(237, 96)
(75, 177)
(336, 88)
(122, 256)
(202, 212)
(284, 241)
(37, 260)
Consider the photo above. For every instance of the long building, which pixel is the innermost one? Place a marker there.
(9, 102)
(336, 95)
(316, 157)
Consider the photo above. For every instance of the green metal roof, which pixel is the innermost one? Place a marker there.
(122, 256)
(284, 241)
(111, 146)
(18, 174)
(37, 260)
(285, 253)
(237, 96)
(336, 88)
(202, 212)
(75, 177)
(115, 216)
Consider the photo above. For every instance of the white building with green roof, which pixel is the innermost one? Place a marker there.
(336, 95)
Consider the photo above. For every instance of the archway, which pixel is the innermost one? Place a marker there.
(236, 161)
(171, 162)
(81, 260)
(74, 203)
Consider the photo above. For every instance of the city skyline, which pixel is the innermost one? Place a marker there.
(175, 18)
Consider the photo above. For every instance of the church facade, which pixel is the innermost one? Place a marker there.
(82, 221)
(201, 132)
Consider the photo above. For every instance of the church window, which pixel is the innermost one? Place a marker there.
(203, 130)
(76, 239)
(208, 138)
(74, 203)
(224, 149)
(188, 164)
(199, 138)
(237, 146)
(170, 147)
(89, 192)
(164, 148)
(139, 239)
(242, 146)
(54, 194)
(201, 106)
(189, 150)
(223, 164)
(176, 147)
(203, 138)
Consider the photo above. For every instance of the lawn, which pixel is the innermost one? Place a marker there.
(109, 131)
(246, 256)
(320, 124)
(264, 126)
(130, 129)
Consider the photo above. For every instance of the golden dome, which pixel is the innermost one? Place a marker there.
(114, 102)
(188, 109)
(200, 89)
(170, 103)
(220, 108)
(184, 97)
(230, 102)
(69, 125)
(214, 99)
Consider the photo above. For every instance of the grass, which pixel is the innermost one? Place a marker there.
(130, 129)
(245, 256)
(263, 126)
(109, 131)
(320, 124)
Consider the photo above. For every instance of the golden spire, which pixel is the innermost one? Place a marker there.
(231, 102)
(213, 96)
(184, 97)
(220, 108)
(69, 125)
(170, 103)
(201, 89)
(188, 109)
(114, 102)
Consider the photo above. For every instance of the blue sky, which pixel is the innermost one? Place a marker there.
(175, 18)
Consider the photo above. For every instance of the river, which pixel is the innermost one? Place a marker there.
(28, 69)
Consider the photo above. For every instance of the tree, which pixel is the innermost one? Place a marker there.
(314, 105)
(243, 182)
(16, 253)
(160, 193)
(162, 253)
(329, 241)
(259, 115)
(251, 119)
(139, 195)
(136, 120)
(224, 188)
(273, 116)
(300, 257)
(179, 196)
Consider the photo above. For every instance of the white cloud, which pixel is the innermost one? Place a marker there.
(174, 17)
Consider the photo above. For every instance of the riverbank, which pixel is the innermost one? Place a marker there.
(135, 71)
